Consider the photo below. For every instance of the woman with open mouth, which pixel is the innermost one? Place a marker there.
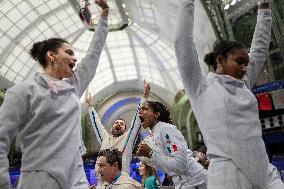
(166, 148)
(45, 110)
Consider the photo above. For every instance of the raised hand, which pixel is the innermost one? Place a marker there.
(105, 8)
(147, 89)
(102, 3)
(89, 101)
(263, 4)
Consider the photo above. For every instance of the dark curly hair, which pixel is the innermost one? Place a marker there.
(39, 49)
(112, 156)
(165, 114)
(221, 48)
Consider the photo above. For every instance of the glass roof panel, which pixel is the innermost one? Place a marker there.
(143, 50)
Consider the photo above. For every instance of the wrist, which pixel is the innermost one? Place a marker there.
(263, 6)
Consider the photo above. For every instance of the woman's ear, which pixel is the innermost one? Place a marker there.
(157, 115)
(220, 61)
(50, 56)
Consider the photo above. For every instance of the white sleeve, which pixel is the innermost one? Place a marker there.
(12, 115)
(175, 160)
(133, 131)
(185, 49)
(86, 70)
(260, 45)
(99, 129)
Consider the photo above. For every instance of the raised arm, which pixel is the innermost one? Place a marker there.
(86, 70)
(12, 115)
(99, 129)
(185, 49)
(135, 127)
(260, 42)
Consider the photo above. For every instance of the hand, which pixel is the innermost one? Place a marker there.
(143, 150)
(147, 89)
(89, 101)
(263, 4)
(200, 157)
(102, 3)
(105, 8)
(93, 187)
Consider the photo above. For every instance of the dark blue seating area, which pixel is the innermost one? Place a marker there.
(89, 166)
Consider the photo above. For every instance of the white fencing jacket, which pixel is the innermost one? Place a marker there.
(171, 154)
(48, 120)
(225, 108)
(124, 181)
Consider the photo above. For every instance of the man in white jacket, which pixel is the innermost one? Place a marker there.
(109, 167)
(166, 148)
(119, 137)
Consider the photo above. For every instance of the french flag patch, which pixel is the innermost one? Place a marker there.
(175, 148)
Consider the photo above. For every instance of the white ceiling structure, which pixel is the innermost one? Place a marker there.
(139, 45)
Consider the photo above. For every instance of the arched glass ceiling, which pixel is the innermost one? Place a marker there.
(143, 50)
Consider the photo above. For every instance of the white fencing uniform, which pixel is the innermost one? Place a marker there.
(227, 111)
(171, 154)
(124, 181)
(48, 120)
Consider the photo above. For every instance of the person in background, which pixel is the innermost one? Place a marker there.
(45, 111)
(225, 109)
(201, 157)
(167, 180)
(109, 165)
(119, 137)
(150, 179)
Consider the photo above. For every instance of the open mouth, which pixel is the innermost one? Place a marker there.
(141, 119)
(72, 65)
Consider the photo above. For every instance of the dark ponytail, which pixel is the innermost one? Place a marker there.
(210, 60)
(221, 48)
(39, 49)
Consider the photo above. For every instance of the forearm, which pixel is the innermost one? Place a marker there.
(4, 163)
(4, 171)
(185, 49)
(87, 68)
(170, 164)
(260, 44)
(97, 125)
(12, 115)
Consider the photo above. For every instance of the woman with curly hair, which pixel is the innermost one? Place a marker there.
(167, 149)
